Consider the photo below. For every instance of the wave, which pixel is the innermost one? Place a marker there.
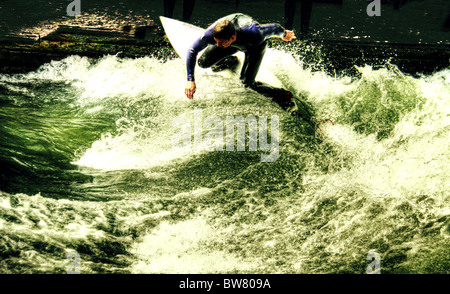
(88, 165)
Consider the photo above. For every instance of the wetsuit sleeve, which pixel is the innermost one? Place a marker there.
(271, 30)
(192, 53)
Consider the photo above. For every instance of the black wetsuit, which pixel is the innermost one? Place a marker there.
(250, 38)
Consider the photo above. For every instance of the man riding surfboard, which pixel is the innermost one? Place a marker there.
(232, 33)
(239, 32)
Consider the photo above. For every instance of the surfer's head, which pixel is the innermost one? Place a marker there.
(224, 33)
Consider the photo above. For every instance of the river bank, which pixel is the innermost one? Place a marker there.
(19, 54)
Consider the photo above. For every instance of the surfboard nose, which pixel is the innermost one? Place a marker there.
(163, 19)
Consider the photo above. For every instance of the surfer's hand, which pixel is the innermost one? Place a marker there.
(288, 36)
(190, 89)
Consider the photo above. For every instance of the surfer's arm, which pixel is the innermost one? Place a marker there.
(191, 57)
(276, 30)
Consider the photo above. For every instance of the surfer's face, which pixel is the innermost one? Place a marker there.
(225, 43)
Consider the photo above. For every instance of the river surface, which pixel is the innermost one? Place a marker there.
(89, 171)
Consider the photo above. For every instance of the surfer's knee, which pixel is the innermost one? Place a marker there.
(203, 63)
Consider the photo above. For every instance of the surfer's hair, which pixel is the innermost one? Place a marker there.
(224, 30)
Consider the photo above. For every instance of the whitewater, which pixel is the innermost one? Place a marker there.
(88, 167)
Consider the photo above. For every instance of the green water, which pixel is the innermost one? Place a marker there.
(88, 166)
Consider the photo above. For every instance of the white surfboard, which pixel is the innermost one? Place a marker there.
(182, 35)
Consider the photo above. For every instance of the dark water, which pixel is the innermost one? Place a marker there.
(88, 166)
(417, 21)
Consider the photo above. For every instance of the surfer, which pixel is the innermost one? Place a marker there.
(239, 32)
(232, 33)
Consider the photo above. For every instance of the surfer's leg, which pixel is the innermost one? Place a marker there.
(214, 54)
(281, 96)
(252, 63)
